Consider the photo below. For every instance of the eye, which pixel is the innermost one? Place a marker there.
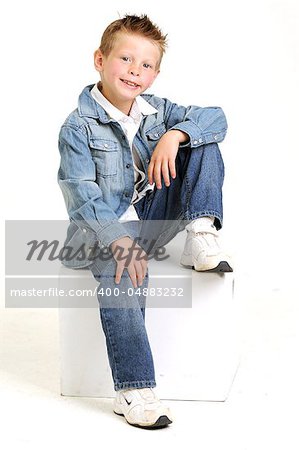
(125, 58)
(147, 66)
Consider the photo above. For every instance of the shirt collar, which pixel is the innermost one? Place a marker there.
(139, 107)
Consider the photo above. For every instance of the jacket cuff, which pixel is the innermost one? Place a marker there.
(111, 233)
(196, 136)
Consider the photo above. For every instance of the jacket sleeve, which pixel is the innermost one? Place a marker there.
(203, 125)
(82, 195)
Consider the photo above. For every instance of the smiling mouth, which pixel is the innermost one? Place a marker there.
(130, 83)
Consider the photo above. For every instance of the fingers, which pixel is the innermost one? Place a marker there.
(143, 263)
(119, 272)
(154, 173)
(131, 270)
(172, 168)
(150, 172)
(165, 173)
(132, 273)
(137, 272)
(144, 268)
(157, 174)
(135, 263)
(156, 167)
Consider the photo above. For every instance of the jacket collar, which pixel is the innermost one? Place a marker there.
(87, 106)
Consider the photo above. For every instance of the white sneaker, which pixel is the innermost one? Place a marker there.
(202, 249)
(142, 408)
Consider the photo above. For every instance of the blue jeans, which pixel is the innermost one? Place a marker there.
(195, 192)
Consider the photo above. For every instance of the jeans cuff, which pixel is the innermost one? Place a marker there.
(134, 384)
(218, 217)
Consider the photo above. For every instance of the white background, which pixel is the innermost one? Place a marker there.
(242, 56)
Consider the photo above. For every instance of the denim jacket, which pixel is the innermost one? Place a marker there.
(96, 172)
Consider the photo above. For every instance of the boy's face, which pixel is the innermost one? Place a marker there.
(128, 70)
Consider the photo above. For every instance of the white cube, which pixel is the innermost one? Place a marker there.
(195, 348)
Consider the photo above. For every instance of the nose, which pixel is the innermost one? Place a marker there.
(134, 71)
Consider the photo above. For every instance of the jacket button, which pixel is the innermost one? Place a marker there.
(195, 142)
(216, 137)
(106, 145)
(156, 135)
(147, 160)
(128, 165)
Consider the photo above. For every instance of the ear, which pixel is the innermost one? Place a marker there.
(155, 76)
(98, 58)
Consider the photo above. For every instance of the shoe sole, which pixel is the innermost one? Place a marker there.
(222, 267)
(161, 422)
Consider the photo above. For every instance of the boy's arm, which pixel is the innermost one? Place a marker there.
(82, 195)
(190, 126)
(203, 125)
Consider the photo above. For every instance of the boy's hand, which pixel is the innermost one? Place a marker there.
(128, 254)
(163, 157)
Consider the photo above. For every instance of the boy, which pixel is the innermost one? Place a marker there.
(127, 159)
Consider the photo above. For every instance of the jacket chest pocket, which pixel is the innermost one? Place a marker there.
(155, 134)
(104, 154)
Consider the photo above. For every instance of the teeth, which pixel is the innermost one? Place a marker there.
(129, 83)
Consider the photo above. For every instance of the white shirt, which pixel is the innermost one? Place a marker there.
(130, 125)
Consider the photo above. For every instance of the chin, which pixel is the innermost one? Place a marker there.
(130, 96)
